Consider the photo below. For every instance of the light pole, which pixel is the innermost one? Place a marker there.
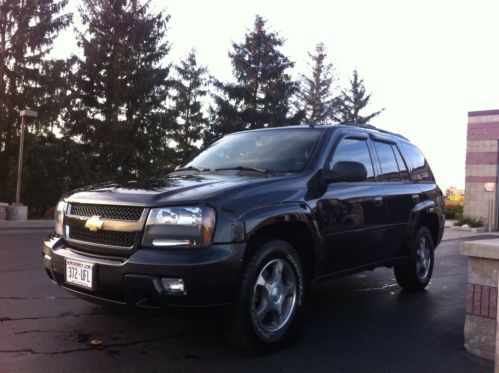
(22, 114)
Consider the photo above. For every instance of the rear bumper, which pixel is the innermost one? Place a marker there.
(211, 276)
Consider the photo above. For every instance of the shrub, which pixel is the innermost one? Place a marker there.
(472, 222)
(454, 211)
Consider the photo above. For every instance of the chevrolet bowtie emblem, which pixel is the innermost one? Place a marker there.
(94, 223)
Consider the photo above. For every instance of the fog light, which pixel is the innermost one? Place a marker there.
(173, 285)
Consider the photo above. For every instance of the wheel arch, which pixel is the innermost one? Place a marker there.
(295, 226)
(426, 215)
(431, 221)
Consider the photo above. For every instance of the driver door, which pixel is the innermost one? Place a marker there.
(352, 214)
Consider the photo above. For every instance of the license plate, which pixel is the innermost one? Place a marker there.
(79, 273)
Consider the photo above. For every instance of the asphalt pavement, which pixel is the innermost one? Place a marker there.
(363, 323)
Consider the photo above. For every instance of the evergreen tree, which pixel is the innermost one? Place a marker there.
(48, 168)
(261, 94)
(28, 79)
(352, 101)
(190, 89)
(120, 86)
(315, 96)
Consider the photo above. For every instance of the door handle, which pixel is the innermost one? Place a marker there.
(415, 198)
(378, 201)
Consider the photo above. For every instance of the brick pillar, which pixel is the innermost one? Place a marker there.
(481, 307)
(481, 165)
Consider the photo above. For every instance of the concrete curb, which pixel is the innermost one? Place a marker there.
(28, 225)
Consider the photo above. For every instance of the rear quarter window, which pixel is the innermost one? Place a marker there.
(389, 167)
(421, 170)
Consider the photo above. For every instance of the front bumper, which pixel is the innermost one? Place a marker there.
(211, 276)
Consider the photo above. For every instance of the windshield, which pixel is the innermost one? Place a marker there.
(273, 150)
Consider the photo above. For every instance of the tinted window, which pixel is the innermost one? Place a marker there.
(404, 174)
(275, 150)
(389, 167)
(421, 170)
(354, 150)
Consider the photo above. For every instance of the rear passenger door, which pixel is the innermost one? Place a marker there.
(400, 195)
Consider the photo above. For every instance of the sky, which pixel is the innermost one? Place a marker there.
(426, 62)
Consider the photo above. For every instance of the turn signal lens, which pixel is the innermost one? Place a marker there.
(59, 217)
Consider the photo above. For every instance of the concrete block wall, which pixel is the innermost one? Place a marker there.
(17, 213)
(3, 211)
(481, 165)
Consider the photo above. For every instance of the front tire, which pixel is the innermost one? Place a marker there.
(269, 306)
(415, 274)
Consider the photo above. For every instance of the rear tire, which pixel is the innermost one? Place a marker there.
(415, 274)
(268, 309)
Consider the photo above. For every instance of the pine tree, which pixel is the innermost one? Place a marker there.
(190, 88)
(352, 101)
(28, 78)
(48, 168)
(120, 86)
(261, 94)
(315, 95)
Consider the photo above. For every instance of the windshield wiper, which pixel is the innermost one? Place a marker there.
(192, 168)
(244, 168)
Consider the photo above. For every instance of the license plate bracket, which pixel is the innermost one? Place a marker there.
(80, 273)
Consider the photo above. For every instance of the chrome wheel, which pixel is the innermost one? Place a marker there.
(423, 258)
(274, 295)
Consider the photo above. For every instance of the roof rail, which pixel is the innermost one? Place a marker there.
(371, 127)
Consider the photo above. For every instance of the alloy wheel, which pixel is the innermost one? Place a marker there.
(423, 258)
(274, 295)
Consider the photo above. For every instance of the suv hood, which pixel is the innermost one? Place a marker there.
(173, 188)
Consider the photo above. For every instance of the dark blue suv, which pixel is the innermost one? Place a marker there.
(249, 223)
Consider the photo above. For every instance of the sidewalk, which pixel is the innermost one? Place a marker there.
(452, 234)
(28, 224)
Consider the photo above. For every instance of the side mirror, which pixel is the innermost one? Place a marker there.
(346, 171)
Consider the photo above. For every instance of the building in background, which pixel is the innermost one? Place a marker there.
(482, 160)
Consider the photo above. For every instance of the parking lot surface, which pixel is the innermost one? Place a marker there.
(356, 324)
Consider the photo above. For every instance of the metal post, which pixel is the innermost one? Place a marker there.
(20, 165)
(22, 114)
(491, 214)
(495, 227)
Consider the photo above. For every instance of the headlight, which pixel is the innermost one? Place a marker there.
(59, 217)
(180, 227)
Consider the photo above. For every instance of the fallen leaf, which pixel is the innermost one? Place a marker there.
(95, 342)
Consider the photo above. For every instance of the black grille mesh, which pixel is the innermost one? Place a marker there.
(107, 211)
(109, 238)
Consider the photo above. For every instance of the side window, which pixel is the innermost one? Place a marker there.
(389, 167)
(354, 150)
(404, 173)
(421, 169)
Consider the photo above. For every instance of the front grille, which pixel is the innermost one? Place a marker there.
(108, 238)
(106, 211)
